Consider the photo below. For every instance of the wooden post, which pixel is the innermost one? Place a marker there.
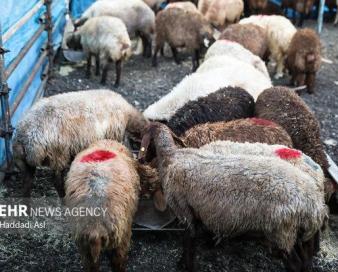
(49, 29)
(6, 129)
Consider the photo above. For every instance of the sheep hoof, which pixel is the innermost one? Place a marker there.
(116, 85)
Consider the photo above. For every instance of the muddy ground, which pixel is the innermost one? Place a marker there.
(52, 249)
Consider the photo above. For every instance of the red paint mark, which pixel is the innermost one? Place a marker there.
(98, 156)
(288, 153)
(262, 122)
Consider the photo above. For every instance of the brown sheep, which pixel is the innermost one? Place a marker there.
(286, 108)
(304, 58)
(180, 28)
(250, 36)
(103, 176)
(252, 130)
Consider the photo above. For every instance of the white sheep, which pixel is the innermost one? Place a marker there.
(201, 84)
(56, 128)
(279, 33)
(137, 16)
(107, 39)
(220, 13)
(234, 49)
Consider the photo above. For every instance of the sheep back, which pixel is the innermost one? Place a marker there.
(286, 108)
(223, 105)
(252, 130)
(103, 176)
(250, 36)
(56, 128)
(228, 200)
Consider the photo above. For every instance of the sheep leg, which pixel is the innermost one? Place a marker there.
(118, 69)
(146, 41)
(195, 60)
(336, 19)
(89, 64)
(157, 48)
(310, 82)
(175, 54)
(292, 261)
(309, 249)
(301, 20)
(118, 260)
(58, 181)
(28, 177)
(189, 247)
(97, 65)
(279, 68)
(105, 71)
(87, 260)
(299, 79)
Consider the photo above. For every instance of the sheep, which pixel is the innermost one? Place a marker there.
(250, 130)
(255, 81)
(225, 104)
(103, 176)
(304, 7)
(279, 33)
(56, 128)
(185, 5)
(304, 58)
(250, 36)
(236, 50)
(180, 28)
(257, 6)
(230, 194)
(220, 13)
(105, 37)
(203, 83)
(137, 16)
(282, 106)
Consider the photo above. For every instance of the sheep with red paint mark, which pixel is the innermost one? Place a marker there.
(286, 108)
(241, 192)
(250, 130)
(103, 176)
(56, 128)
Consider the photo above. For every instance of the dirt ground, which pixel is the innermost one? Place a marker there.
(52, 249)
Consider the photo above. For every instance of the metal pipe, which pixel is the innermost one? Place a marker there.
(10, 69)
(320, 16)
(28, 82)
(6, 129)
(49, 28)
(44, 77)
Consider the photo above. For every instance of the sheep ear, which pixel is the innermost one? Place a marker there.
(144, 146)
(159, 201)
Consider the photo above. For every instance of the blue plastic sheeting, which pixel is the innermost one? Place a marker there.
(12, 10)
(77, 7)
(10, 13)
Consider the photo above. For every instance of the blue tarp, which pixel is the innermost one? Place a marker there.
(11, 13)
(77, 7)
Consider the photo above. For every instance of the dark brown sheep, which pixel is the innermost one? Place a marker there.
(224, 105)
(286, 108)
(304, 58)
(252, 130)
(250, 36)
(180, 28)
